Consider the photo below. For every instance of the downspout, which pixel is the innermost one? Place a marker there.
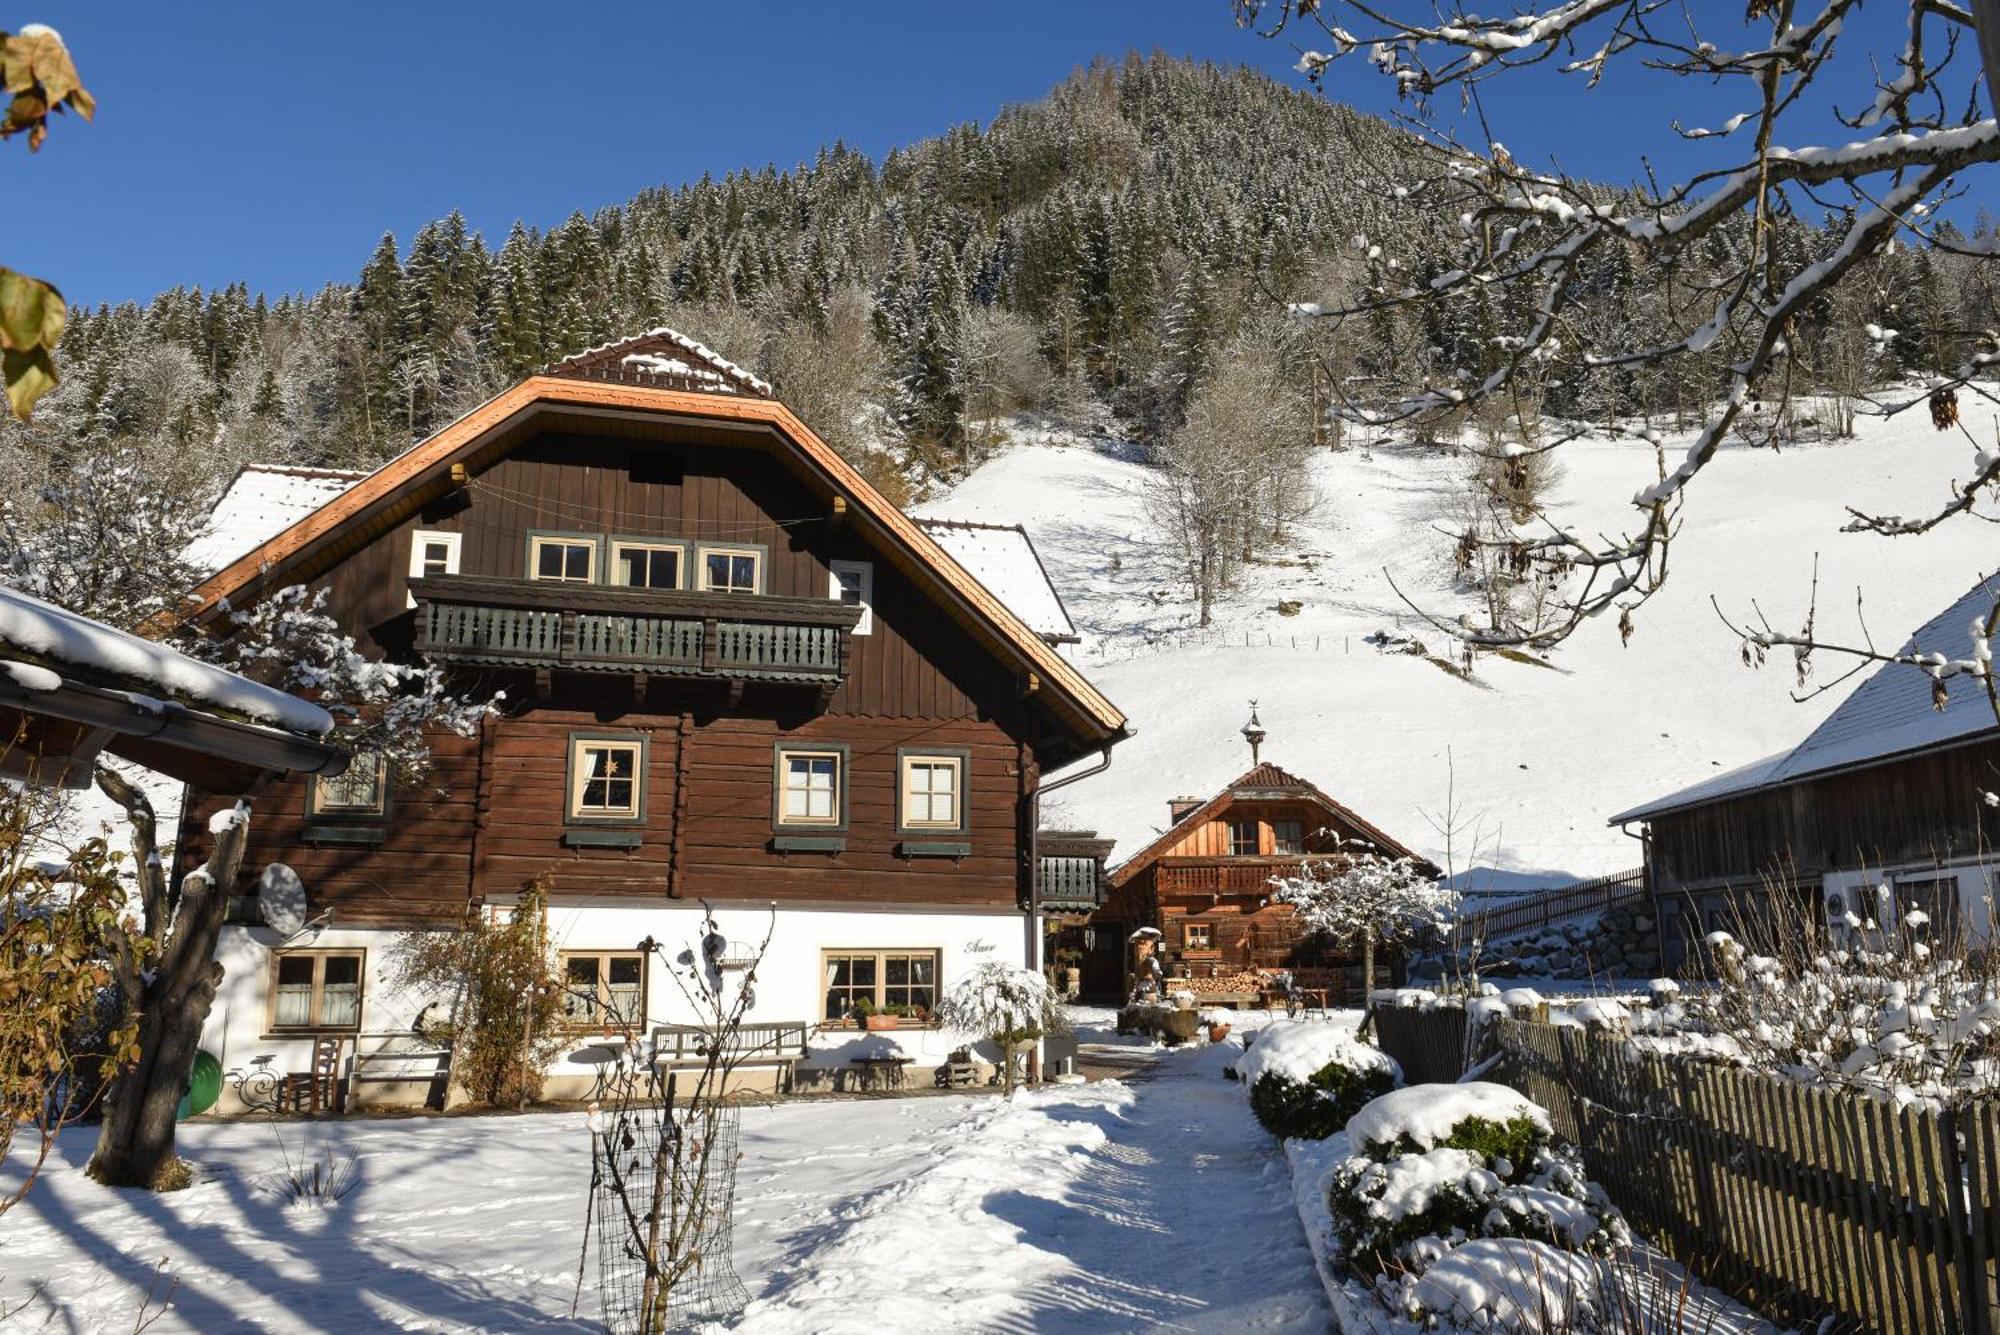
(1035, 847)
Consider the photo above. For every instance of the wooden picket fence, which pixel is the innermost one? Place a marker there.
(1806, 1203)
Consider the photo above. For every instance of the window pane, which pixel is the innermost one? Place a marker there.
(437, 558)
(1287, 836)
(850, 586)
(548, 560)
(295, 990)
(342, 970)
(625, 986)
(743, 573)
(864, 971)
(580, 989)
(341, 1005)
(811, 787)
(897, 971)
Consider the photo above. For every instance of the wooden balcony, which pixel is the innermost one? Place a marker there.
(643, 632)
(1221, 876)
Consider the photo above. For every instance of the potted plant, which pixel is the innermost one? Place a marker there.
(873, 1018)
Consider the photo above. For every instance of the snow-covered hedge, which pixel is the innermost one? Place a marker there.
(1306, 1079)
(1435, 1165)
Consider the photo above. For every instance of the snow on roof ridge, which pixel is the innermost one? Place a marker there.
(305, 470)
(43, 631)
(686, 344)
(1888, 714)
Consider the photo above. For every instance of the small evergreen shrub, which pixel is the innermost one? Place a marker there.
(1318, 1107)
(1436, 1169)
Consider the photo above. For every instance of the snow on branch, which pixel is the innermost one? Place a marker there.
(1731, 272)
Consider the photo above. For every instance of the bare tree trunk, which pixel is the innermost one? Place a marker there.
(171, 986)
(1367, 966)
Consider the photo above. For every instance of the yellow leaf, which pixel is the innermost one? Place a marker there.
(31, 312)
(29, 375)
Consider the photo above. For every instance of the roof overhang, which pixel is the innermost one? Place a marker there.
(60, 733)
(436, 467)
(1673, 804)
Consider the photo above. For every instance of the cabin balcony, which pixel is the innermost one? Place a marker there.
(1221, 876)
(641, 632)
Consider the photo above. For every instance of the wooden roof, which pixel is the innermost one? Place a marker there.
(1261, 782)
(404, 485)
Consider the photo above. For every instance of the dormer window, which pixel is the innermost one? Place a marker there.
(1288, 837)
(1243, 839)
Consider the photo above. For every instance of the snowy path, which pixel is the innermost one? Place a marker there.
(1096, 1208)
(1154, 1206)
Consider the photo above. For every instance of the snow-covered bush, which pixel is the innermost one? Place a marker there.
(1436, 1165)
(1517, 1285)
(1900, 1013)
(1306, 1079)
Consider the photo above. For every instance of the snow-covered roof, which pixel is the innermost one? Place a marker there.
(263, 500)
(1003, 558)
(1890, 714)
(55, 641)
(668, 352)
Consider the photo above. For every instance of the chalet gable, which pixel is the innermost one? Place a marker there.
(612, 404)
(1263, 783)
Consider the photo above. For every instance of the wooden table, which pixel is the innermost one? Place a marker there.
(881, 1072)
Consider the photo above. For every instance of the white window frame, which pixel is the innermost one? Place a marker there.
(454, 543)
(910, 762)
(580, 777)
(619, 546)
(756, 555)
(864, 571)
(317, 804)
(835, 818)
(536, 541)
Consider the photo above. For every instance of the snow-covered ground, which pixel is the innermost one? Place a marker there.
(1541, 754)
(1106, 1207)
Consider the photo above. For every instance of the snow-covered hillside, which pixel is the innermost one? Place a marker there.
(1541, 755)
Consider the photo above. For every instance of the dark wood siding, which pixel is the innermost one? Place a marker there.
(1924, 808)
(916, 662)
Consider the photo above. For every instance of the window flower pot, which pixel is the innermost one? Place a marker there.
(879, 1021)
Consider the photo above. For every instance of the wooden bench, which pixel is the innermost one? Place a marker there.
(774, 1043)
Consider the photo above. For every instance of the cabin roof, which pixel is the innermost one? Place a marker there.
(425, 472)
(262, 501)
(71, 686)
(663, 357)
(1261, 781)
(1003, 558)
(1888, 716)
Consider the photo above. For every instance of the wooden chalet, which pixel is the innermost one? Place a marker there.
(732, 672)
(1880, 810)
(1205, 884)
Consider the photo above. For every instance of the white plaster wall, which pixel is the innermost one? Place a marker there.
(789, 983)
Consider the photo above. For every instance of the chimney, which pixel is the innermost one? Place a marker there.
(1178, 807)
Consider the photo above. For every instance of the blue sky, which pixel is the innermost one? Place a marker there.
(275, 143)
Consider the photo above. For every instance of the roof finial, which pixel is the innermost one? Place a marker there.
(1253, 733)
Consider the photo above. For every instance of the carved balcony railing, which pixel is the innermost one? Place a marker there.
(596, 628)
(1222, 876)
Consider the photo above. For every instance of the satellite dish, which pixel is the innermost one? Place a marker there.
(281, 899)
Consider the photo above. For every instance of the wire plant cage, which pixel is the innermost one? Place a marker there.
(663, 1190)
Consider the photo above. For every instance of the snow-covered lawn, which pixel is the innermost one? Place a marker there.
(1542, 754)
(1105, 1207)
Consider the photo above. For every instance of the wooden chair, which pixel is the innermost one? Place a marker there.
(318, 1089)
